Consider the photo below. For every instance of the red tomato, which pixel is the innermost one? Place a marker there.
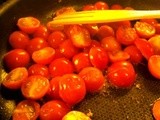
(101, 5)
(16, 58)
(35, 44)
(60, 66)
(53, 110)
(81, 61)
(93, 78)
(28, 24)
(121, 74)
(72, 89)
(105, 31)
(116, 7)
(92, 28)
(15, 78)
(44, 55)
(65, 10)
(126, 35)
(41, 32)
(19, 39)
(68, 49)
(26, 110)
(56, 38)
(151, 21)
(53, 92)
(154, 65)
(110, 44)
(98, 57)
(35, 87)
(38, 69)
(144, 30)
(88, 7)
(134, 53)
(145, 47)
(79, 35)
(156, 109)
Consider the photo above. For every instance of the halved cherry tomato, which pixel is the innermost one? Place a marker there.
(81, 61)
(154, 65)
(121, 74)
(156, 109)
(19, 39)
(28, 24)
(65, 10)
(53, 110)
(151, 21)
(35, 87)
(60, 66)
(44, 55)
(38, 69)
(79, 35)
(100, 5)
(145, 47)
(15, 78)
(26, 110)
(35, 44)
(144, 30)
(99, 57)
(72, 89)
(93, 78)
(92, 28)
(16, 58)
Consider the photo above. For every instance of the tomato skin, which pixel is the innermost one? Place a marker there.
(26, 110)
(19, 39)
(58, 67)
(16, 58)
(72, 89)
(98, 57)
(93, 78)
(88, 7)
(155, 109)
(35, 87)
(81, 61)
(121, 74)
(38, 69)
(154, 65)
(145, 47)
(116, 7)
(101, 5)
(35, 44)
(15, 78)
(28, 24)
(44, 55)
(53, 110)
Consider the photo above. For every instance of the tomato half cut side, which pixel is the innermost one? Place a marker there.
(26, 110)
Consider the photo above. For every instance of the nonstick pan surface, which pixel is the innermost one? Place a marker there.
(113, 104)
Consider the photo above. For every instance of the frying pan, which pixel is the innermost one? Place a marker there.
(113, 104)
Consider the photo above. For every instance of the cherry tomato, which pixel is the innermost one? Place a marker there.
(15, 78)
(35, 44)
(44, 55)
(126, 35)
(81, 61)
(35, 87)
(93, 78)
(134, 53)
(19, 39)
(16, 58)
(92, 28)
(99, 57)
(72, 89)
(26, 110)
(68, 49)
(53, 110)
(144, 30)
(56, 38)
(101, 5)
(28, 24)
(156, 109)
(88, 7)
(79, 35)
(154, 65)
(116, 7)
(65, 10)
(60, 66)
(151, 21)
(41, 32)
(155, 43)
(38, 69)
(145, 47)
(121, 74)
(53, 92)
